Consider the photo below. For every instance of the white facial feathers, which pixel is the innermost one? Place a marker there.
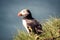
(24, 12)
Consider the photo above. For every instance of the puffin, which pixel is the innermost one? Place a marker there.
(30, 23)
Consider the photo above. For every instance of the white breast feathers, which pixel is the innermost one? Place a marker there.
(25, 25)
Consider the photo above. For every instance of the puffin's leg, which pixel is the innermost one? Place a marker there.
(36, 37)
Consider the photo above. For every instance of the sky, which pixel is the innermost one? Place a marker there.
(10, 22)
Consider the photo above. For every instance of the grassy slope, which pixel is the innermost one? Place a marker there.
(51, 31)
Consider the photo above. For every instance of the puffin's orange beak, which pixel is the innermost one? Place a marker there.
(19, 14)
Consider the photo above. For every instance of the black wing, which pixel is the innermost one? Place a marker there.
(34, 26)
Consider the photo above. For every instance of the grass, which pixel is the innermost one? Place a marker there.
(51, 31)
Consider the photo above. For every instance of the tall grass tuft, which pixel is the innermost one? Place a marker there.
(51, 31)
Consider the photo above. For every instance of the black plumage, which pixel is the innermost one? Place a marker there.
(34, 26)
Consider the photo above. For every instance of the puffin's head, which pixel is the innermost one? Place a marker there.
(24, 12)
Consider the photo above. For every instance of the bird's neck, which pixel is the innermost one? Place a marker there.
(28, 17)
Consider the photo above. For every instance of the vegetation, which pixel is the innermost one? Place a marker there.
(51, 31)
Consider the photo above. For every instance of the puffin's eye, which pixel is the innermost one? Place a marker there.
(23, 11)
